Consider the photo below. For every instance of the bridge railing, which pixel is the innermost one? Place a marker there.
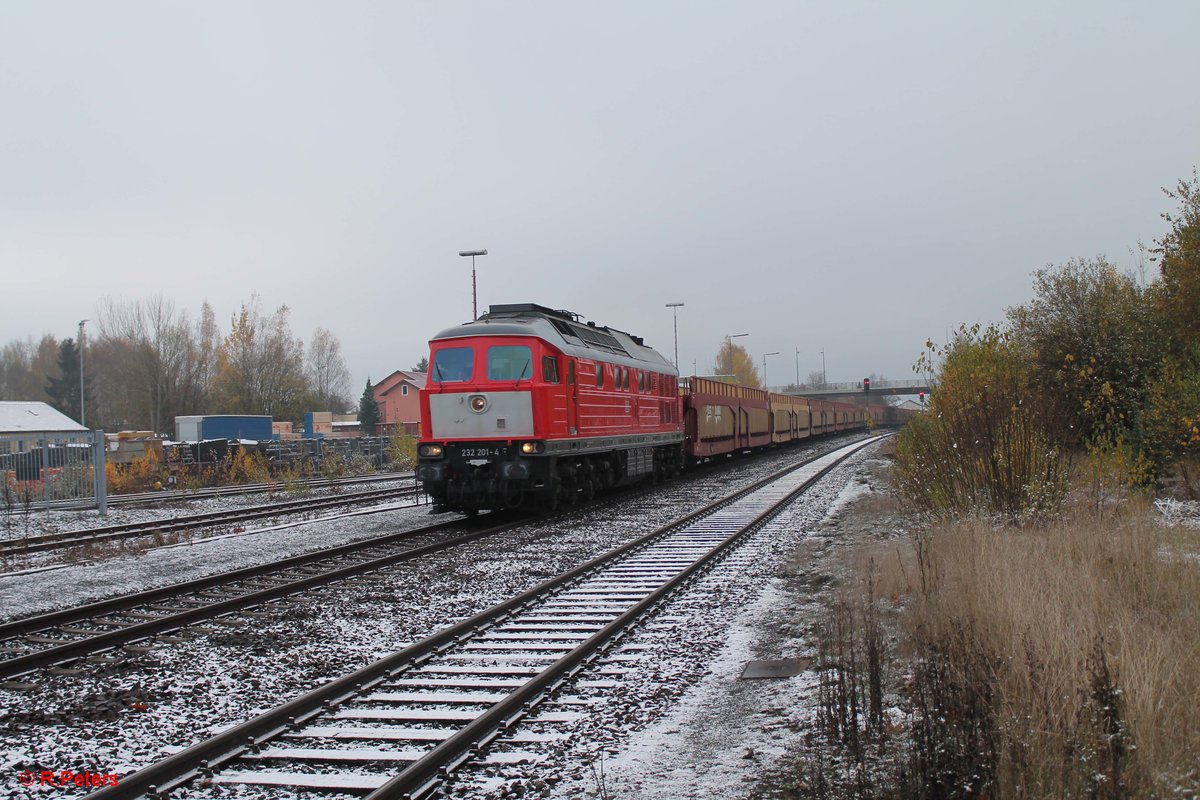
(849, 386)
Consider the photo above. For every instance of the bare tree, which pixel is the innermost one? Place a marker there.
(26, 366)
(327, 372)
(816, 379)
(155, 368)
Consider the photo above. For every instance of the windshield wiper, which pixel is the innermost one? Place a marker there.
(517, 382)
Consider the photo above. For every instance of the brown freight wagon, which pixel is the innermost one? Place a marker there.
(722, 418)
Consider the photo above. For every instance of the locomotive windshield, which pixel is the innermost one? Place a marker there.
(453, 364)
(509, 363)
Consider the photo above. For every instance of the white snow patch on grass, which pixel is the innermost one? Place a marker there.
(851, 493)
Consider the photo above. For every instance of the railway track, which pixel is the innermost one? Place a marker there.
(112, 533)
(396, 728)
(168, 495)
(86, 631)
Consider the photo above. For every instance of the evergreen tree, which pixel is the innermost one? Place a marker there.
(368, 410)
(422, 365)
(64, 391)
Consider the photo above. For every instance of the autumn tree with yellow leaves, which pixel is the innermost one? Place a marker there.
(260, 366)
(733, 360)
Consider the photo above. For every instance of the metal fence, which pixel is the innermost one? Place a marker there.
(52, 470)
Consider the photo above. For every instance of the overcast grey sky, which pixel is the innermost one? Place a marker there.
(850, 176)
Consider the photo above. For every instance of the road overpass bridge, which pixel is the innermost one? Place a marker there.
(854, 389)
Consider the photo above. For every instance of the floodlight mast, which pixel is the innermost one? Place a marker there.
(765, 366)
(82, 322)
(474, 303)
(674, 316)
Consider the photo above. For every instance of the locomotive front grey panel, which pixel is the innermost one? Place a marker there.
(478, 415)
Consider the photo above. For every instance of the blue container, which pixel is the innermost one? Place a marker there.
(236, 426)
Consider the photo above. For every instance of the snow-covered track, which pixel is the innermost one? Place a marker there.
(175, 495)
(85, 631)
(179, 524)
(395, 728)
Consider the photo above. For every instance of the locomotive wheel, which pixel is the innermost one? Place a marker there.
(513, 496)
(549, 499)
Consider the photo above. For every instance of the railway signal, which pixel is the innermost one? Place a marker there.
(866, 384)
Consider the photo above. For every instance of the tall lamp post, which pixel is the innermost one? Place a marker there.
(472, 254)
(765, 366)
(824, 380)
(81, 324)
(797, 367)
(675, 318)
(729, 337)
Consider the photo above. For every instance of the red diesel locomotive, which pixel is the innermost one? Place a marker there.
(527, 405)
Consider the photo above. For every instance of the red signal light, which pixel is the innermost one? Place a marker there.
(866, 384)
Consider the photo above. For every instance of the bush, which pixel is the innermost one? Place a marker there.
(245, 466)
(1169, 425)
(1094, 342)
(984, 446)
(402, 452)
(140, 475)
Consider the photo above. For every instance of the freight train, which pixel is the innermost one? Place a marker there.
(528, 406)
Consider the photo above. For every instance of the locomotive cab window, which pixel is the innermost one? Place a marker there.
(599, 376)
(453, 364)
(509, 363)
(550, 369)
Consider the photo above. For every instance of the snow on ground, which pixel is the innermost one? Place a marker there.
(709, 743)
(679, 723)
(123, 713)
(16, 523)
(851, 493)
(71, 583)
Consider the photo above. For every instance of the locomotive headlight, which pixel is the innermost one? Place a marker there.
(529, 448)
(430, 450)
(478, 403)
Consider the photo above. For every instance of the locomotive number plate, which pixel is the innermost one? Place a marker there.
(481, 452)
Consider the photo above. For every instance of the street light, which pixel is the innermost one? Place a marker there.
(472, 254)
(674, 316)
(765, 366)
(729, 337)
(824, 380)
(797, 367)
(81, 324)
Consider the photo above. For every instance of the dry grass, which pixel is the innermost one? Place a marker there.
(1084, 639)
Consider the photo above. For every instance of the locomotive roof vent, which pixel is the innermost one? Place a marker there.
(567, 323)
(516, 309)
